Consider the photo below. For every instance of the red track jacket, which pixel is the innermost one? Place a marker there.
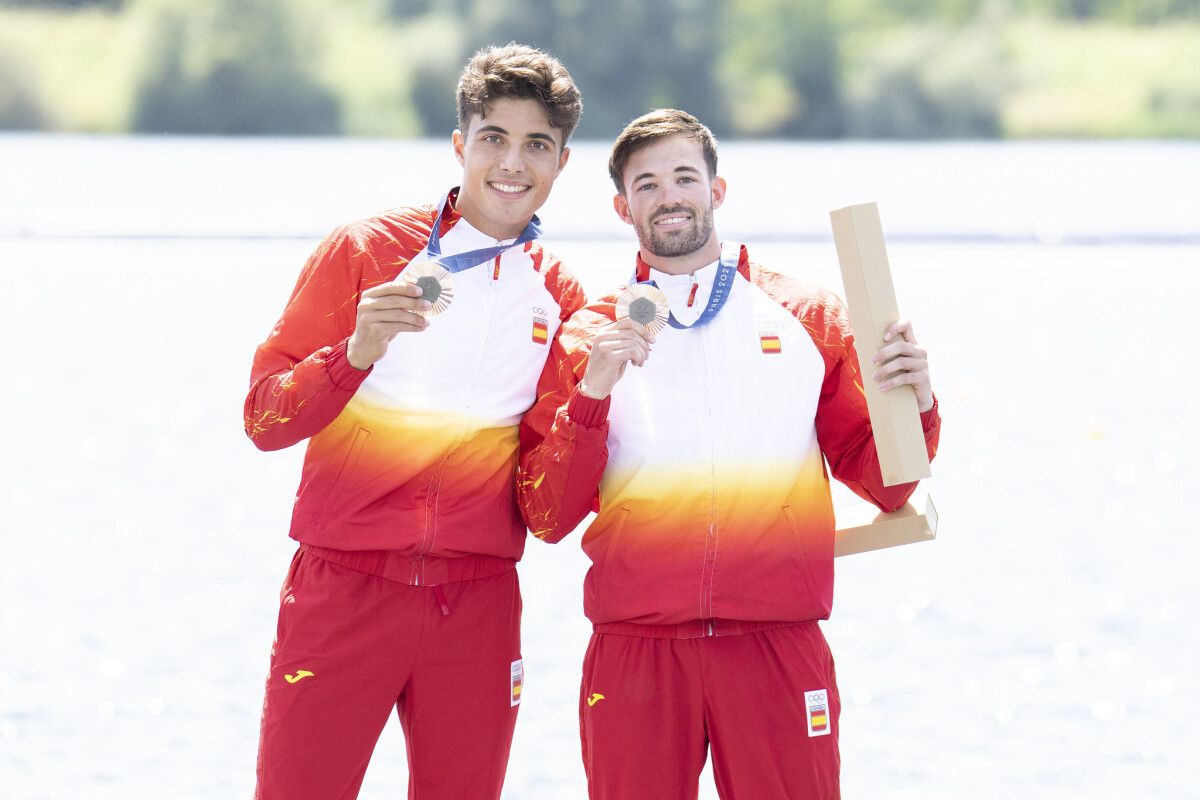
(417, 455)
(708, 464)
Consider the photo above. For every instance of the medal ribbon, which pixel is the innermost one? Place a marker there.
(473, 258)
(722, 285)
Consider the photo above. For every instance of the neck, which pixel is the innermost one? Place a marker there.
(685, 265)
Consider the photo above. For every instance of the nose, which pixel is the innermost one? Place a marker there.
(513, 159)
(670, 194)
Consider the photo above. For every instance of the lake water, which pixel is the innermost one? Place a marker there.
(1044, 646)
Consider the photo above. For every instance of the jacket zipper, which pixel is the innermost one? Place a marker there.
(435, 482)
(710, 543)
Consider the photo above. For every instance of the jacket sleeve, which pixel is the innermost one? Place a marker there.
(564, 438)
(301, 380)
(843, 424)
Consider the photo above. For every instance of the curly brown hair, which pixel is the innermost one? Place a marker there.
(520, 71)
(648, 129)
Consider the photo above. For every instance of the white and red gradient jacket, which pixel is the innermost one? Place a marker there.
(411, 464)
(707, 465)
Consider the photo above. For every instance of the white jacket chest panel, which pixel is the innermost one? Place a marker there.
(710, 403)
(479, 357)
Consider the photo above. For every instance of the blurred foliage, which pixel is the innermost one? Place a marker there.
(930, 81)
(779, 67)
(627, 56)
(63, 4)
(20, 107)
(962, 11)
(82, 64)
(1099, 80)
(436, 63)
(1131, 11)
(749, 68)
(234, 67)
(364, 60)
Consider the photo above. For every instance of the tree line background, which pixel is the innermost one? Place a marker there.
(905, 69)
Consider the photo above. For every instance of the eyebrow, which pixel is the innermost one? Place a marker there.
(677, 169)
(497, 129)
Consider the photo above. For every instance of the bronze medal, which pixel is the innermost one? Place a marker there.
(644, 304)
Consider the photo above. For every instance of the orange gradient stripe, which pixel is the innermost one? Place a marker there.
(395, 446)
(670, 504)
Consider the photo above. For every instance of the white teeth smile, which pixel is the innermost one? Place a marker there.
(671, 220)
(508, 188)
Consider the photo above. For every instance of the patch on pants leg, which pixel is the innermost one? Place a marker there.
(518, 681)
(817, 703)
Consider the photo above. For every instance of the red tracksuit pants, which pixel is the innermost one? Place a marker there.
(765, 702)
(352, 646)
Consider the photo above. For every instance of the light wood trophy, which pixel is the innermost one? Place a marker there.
(895, 421)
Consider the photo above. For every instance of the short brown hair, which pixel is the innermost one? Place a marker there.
(648, 129)
(516, 70)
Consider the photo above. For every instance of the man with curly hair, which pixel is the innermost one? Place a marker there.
(407, 354)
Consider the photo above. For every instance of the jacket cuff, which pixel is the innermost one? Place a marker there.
(931, 419)
(341, 372)
(587, 411)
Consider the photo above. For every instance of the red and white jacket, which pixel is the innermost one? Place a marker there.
(707, 465)
(410, 465)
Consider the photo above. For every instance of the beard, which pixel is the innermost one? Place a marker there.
(684, 242)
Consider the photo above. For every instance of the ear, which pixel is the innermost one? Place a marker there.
(457, 139)
(621, 206)
(718, 191)
(562, 160)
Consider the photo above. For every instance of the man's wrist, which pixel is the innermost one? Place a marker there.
(929, 417)
(341, 372)
(926, 401)
(350, 353)
(587, 411)
(588, 392)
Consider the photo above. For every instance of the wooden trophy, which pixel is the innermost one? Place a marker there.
(895, 421)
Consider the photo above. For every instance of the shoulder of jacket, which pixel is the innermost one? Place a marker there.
(817, 307)
(406, 228)
(560, 281)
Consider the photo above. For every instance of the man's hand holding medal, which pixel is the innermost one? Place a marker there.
(642, 311)
(423, 290)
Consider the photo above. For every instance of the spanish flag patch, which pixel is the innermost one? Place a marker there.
(518, 682)
(817, 703)
(770, 344)
(541, 332)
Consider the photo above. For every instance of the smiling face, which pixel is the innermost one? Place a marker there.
(510, 158)
(669, 199)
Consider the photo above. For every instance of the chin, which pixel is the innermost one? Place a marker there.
(515, 217)
(673, 247)
(515, 209)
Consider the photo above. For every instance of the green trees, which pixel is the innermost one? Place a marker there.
(65, 4)
(1129, 11)
(749, 68)
(767, 68)
(231, 66)
(780, 68)
(626, 55)
(19, 106)
(931, 81)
